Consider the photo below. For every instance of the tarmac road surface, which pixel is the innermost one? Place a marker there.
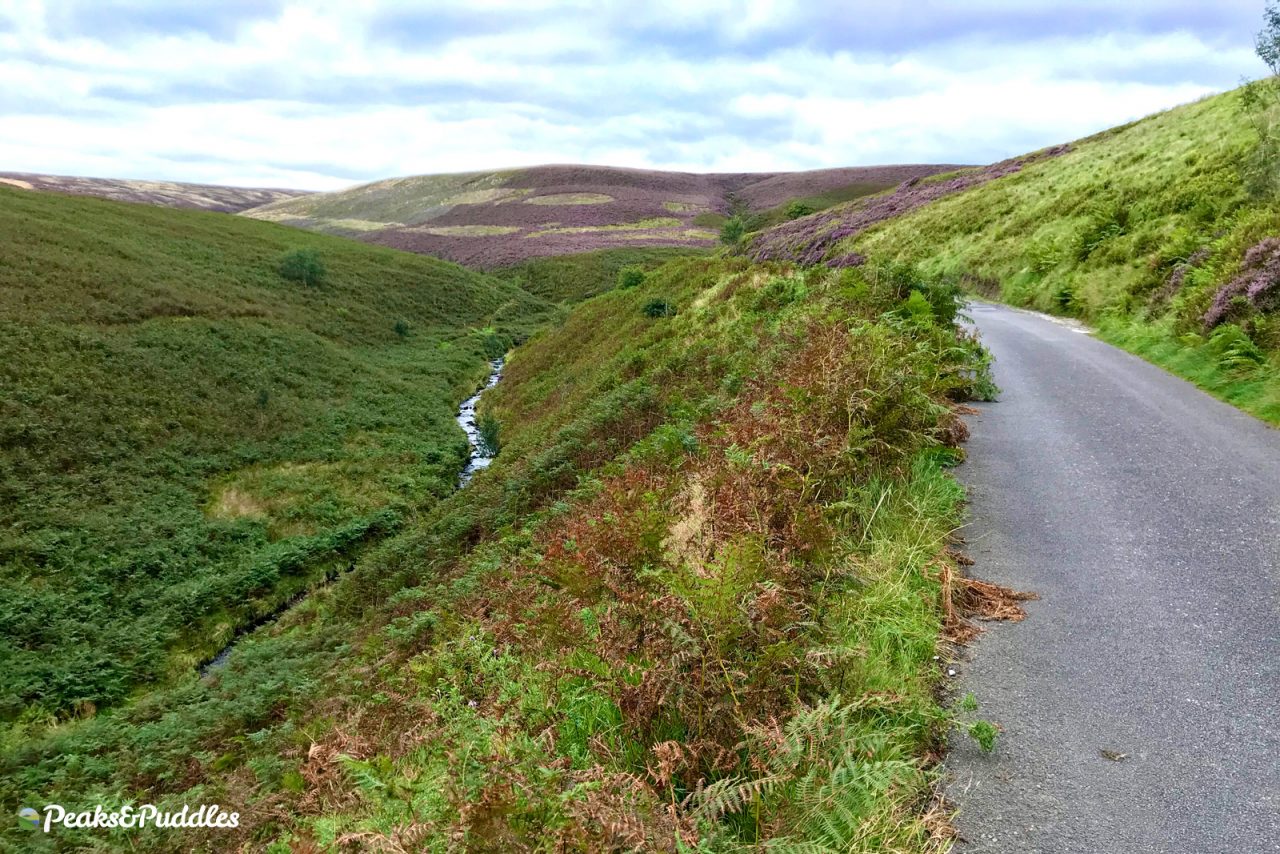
(1140, 699)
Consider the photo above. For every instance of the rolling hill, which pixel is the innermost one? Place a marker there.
(208, 197)
(187, 438)
(497, 219)
(1155, 231)
(693, 537)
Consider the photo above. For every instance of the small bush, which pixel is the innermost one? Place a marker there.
(733, 230)
(659, 308)
(916, 308)
(779, 292)
(630, 277)
(795, 210)
(402, 329)
(304, 266)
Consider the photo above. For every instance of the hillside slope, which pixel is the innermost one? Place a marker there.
(187, 438)
(685, 607)
(172, 194)
(1148, 230)
(496, 219)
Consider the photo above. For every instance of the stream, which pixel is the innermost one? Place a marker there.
(476, 461)
(467, 421)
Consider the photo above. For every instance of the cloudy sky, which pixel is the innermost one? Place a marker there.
(321, 95)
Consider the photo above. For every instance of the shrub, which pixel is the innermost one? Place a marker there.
(779, 292)
(1255, 287)
(659, 308)
(1260, 102)
(917, 308)
(795, 210)
(402, 329)
(630, 277)
(304, 266)
(733, 230)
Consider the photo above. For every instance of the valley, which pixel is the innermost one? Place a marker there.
(714, 581)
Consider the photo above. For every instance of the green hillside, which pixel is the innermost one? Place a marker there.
(1162, 232)
(698, 596)
(188, 439)
(577, 276)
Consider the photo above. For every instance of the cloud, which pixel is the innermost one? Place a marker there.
(324, 94)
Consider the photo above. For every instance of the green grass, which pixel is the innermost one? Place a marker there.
(187, 438)
(572, 278)
(1100, 232)
(1193, 357)
(570, 199)
(395, 201)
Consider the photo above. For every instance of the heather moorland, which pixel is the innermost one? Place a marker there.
(497, 219)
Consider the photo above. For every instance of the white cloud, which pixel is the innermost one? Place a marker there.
(320, 95)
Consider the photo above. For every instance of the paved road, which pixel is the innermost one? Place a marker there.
(1146, 514)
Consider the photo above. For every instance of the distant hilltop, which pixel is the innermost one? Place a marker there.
(172, 194)
(499, 218)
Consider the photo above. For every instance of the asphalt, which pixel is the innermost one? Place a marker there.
(1146, 515)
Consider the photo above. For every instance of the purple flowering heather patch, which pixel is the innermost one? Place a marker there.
(810, 239)
(488, 252)
(852, 259)
(1258, 282)
(634, 198)
(1174, 283)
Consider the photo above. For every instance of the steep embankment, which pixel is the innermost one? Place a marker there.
(171, 194)
(496, 219)
(697, 596)
(1149, 230)
(187, 438)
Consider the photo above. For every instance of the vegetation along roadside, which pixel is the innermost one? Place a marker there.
(694, 602)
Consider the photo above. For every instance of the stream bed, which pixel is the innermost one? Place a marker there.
(476, 461)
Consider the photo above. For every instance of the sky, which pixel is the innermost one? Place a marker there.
(322, 95)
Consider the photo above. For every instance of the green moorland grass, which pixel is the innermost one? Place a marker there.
(394, 201)
(188, 439)
(1135, 229)
(573, 278)
(693, 604)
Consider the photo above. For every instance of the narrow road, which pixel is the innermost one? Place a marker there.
(1146, 515)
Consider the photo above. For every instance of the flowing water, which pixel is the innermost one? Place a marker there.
(467, 421)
